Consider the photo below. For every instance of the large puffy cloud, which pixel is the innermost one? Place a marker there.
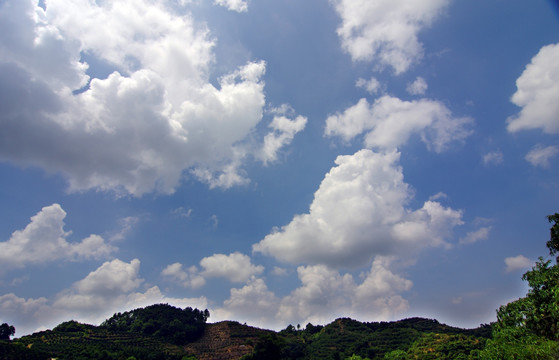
(113, 287)
(141, 128)
(235, 267)
(253, 303)
(537, 93)
(323, 295)
(44, 240)
(385, 30)
(389, 122)
(358, 212)
(187, 278)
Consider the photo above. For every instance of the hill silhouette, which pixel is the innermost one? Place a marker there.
(166, 332)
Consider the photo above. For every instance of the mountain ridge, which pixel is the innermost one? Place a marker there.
(151, 333)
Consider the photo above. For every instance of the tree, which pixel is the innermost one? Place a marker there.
(6, 331)
(531, 324)
(553, 243)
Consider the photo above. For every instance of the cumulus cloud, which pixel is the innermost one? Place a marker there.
(187, 278)
(389, 122)
(234, 5)
(29, 315)
(493, 158)
(323, 295)
(113, 287)
(44, 240)
(358, 212)
(385, 31)
(154, 119)
(515, 263)
(283, 132)
(537, 93)
(541, 156)
(235, 267)
(418, 87)
(253, 303)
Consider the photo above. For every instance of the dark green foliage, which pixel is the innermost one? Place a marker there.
(528, 328)
(518, 343)
(73, 326)
(6, 331)
(13, 350)
(174, 325)
(444, 346)
(90, 342)
(553, 243)
(149, 333)
(269, 347)
(350, 339)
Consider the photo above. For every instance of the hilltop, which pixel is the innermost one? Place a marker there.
(165, 332)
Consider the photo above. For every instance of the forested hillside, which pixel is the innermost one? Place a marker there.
(527, 328)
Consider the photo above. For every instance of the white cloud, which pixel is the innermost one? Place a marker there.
(234, 5)
(236, 267)
(418, 87)
(358, 212)
(519, 262)
(189, 278)
(537, 93)
(283, 132)
(156, 117)
(385, 31)
(325, 294)
(29, 315)
(541, 156)
(475, 236)
(372, 85)
(389, 122)
(113, 287)
(493, 158)
(253, 303)
(44, 240)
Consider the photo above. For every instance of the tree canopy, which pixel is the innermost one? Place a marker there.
(529, 327)
(6, 331)
(175, 325)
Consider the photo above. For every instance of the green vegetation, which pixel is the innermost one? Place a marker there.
(171, 324)
(154, 332)
(527, 328)
(6, 331)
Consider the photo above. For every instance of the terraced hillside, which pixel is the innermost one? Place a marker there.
(157, 332)
(227, 340)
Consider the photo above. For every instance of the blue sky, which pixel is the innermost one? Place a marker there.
(277, 162)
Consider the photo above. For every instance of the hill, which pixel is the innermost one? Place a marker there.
(165, 332)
